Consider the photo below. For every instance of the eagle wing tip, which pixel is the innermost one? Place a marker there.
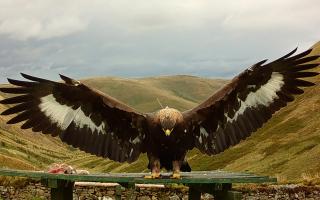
(10, 80)
(68, 80)
(24, 75)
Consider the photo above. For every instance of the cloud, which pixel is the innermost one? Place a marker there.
(23, 20)
(266, 15)
(150, 37)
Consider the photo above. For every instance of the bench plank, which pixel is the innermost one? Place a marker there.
(219, 183)
(186, 177)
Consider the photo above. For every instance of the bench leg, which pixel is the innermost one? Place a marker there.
(194, 194)
(118, 192)
(226, 193)
(62, 193)
(59, 189)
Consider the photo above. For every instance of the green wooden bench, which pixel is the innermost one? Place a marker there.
(217, 183)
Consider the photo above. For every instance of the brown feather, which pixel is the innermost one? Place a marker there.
(305, 60)
(18, 108)
(21, 83)
(20, 117)
(304, 67)
(300, 55)
(15, 90)
(17, 99)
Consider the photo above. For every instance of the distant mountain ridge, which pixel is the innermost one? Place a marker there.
(281, 148)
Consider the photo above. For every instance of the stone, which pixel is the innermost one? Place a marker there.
(11, 191)
(185, 197)
(207, 196)
(90, 191)
(105, 198)
(174, 197)
(40, 192)
(144, 198)
(110, 192)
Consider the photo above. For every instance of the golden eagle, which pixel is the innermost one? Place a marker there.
(101, 125)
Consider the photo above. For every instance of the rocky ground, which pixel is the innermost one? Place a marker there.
(35, 191)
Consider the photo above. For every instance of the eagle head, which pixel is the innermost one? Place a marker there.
(169, 118)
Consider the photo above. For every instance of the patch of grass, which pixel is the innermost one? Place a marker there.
(2, 144)
(310, 179)
(306, 148)
(92, 163)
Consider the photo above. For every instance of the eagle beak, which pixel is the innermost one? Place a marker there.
(167, 132)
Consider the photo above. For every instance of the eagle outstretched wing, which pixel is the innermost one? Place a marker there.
(248, 101)
(82, 116)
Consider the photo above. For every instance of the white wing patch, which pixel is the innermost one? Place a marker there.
(265, 95)
(203, 132)
(203, 135)
(63, 115)
(135, 140)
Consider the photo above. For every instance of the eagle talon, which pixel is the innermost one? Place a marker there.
(175, 176)
(153, 176)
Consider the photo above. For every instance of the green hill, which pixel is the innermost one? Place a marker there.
(287, 146)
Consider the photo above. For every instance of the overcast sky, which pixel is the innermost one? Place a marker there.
(137, 38)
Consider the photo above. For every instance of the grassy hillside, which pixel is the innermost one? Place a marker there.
(287, 146)
(181, 92)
